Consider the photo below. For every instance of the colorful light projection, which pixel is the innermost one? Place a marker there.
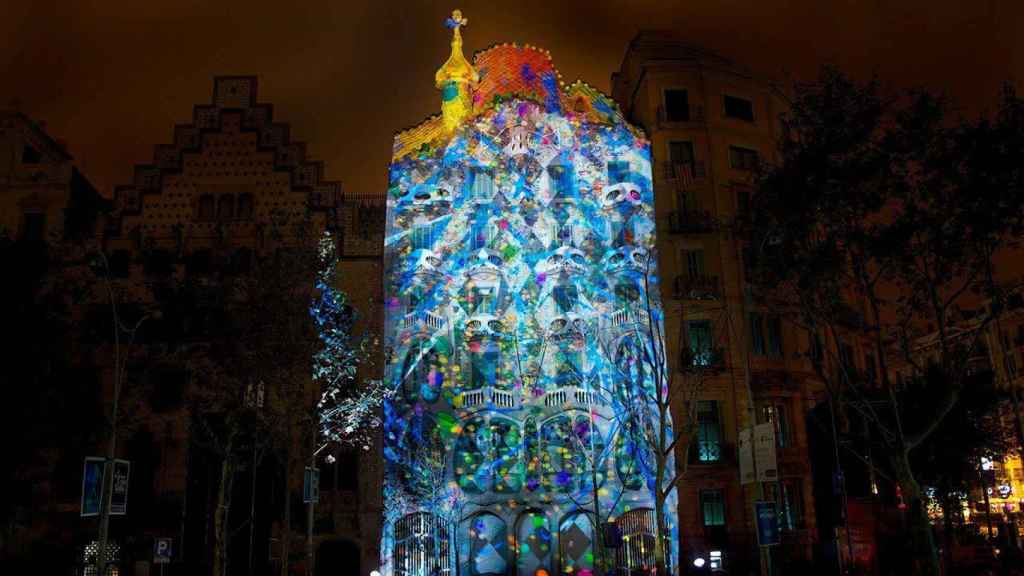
(521, 294)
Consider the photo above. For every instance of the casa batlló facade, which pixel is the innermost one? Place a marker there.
(522, 316)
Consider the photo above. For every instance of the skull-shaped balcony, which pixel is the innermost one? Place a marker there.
(423, 267)
(621, 196)
(625, 260)
(565, 263)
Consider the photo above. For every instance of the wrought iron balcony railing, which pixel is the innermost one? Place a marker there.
(702, 359)
(691, 222)
(674, 170)
(696, 288)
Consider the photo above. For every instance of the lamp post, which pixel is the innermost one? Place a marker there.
(119, 372)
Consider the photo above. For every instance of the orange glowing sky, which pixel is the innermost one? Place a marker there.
(112, 78)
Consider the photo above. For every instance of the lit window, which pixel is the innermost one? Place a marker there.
(712, 506)
(776, 415)
(709, 432)
(701, 348)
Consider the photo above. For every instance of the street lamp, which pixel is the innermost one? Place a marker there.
(119, 371)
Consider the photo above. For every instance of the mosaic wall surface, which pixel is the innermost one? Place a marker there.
(520, 286)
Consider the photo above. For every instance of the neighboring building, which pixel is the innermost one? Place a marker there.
(212, 202)
(519, 253)
(43, 196)
(1002, 351)
(711, 123)
(46, 205)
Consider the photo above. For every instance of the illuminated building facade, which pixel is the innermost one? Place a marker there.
(522, 312)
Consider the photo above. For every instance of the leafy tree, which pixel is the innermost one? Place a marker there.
(879, 223)
(948, 461)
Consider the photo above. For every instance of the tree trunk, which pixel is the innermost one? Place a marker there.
(921, 539)
(947, 525)
(660, 554)
(221, 516)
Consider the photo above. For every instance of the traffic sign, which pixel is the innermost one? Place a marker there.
(162, 550)
(767, 523)
(92, 486)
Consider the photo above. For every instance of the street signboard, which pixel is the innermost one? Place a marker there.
(762, 448)
(119, 491)
(162, 550)
(311, 485)
(92, 486)
(767, 523)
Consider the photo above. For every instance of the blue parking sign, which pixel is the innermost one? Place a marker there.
(162, 550)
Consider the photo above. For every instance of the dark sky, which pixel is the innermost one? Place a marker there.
(113, 77)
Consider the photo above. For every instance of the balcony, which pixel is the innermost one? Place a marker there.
(572, 397)
(691, 222)
(696, 288)
(488, 397)
(705, 360)
(674, 171)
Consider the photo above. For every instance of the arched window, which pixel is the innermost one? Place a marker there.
(421, 545)
(636, 555)
(576, 544)
(589, 446)
(534, 543)
(508, 466)
(472, 451)
(559, 465)
(487, 539)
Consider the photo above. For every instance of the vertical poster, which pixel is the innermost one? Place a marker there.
(92, 486)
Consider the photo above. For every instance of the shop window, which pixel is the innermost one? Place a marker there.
(576, 544)
(533, 544)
